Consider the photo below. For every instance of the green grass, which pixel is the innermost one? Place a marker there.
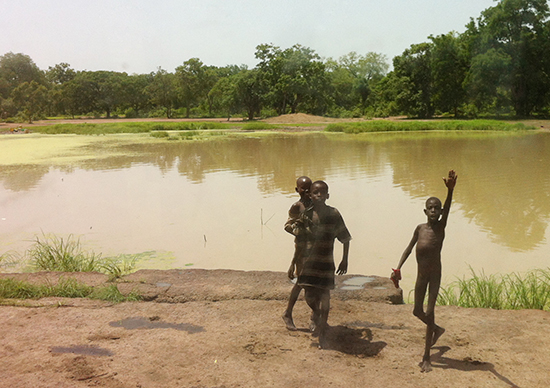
(67, 288)
(53, 253)
(128, 127)
(430, 125)
(501, 292)
(258, 126)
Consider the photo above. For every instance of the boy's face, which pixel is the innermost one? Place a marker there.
(433, 209)
(303, 188)
(318, 193)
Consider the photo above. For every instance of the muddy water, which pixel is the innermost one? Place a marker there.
(222, 204)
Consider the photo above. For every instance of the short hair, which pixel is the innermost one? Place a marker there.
(433, 199)
(303, 178)
(320, 183)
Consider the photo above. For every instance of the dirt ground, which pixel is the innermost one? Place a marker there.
(234, 336)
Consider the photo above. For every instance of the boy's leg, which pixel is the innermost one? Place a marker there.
(324, 310)
(433, 292)
(313, 300)
(287, 316)
(433, 332)
(420, 288)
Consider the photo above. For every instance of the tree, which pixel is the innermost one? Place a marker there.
(294, 77)
(31, 98)
(513, 36)
(449, 68)
(414, 69)
(249, 91)
(162, 90)
(195, 81)
(16, 69)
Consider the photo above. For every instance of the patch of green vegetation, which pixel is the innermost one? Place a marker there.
(160, 134)
(128, 127)
(53, 253)
(431, 125)
(66, 287)
(501, 292)
(258, 126)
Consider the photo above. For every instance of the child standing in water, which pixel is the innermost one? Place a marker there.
(297, 225)
(428, 239)
(317, 275)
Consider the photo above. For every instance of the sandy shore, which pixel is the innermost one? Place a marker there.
(224, 329)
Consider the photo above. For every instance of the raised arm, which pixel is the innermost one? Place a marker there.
(450, 182)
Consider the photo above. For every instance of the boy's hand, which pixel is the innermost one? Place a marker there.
(396, 277)
(342, 268)
(291, 272)
(450, 182)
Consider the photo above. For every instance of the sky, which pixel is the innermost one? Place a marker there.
(138, 36)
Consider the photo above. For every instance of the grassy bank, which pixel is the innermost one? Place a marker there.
(128, 127)
(442, 125)
(53, 253)
(67, 288)
(502, 292)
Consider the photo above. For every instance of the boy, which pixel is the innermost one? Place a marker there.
(297, 225)
(429, 238)
(317, 275)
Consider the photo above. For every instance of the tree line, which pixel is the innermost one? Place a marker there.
(498, 66)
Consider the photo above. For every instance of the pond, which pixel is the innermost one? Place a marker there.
(223, 203)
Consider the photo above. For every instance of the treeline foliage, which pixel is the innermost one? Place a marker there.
(497, 66)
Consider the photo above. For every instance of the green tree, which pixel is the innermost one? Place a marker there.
(449, 68)
(294, 77)
(16, 69)
(31, 98)
(162, 90)
(195, 81)
(414, 70)
(512, 36)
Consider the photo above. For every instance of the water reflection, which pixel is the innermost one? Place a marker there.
(378, 180)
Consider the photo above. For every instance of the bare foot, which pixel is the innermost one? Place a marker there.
(438, 332)
(289, 322)
(426, 366)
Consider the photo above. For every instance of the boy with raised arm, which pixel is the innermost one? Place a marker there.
(428, 239)
(317, 275)
(297, 225)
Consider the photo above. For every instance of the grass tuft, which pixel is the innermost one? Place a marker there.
(53, 253)
(500, 292)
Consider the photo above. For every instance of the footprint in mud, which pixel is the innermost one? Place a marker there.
(134, 323)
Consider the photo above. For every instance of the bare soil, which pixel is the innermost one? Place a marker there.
(207, 329)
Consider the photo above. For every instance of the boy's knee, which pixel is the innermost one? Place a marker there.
(418, 312)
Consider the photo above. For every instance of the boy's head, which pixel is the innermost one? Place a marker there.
(303, 185)
(433, 208)
(319, 192)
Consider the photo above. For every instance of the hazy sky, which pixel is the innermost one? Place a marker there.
(137, 36)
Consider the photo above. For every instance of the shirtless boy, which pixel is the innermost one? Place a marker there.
(297, 225)
(317, 275)
(429, 238)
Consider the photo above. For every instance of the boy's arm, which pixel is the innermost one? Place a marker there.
(450, 182)
(409, 248)
(343, 267)
(293, 218)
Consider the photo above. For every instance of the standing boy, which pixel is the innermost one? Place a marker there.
(429, 238)
(317, 276)
(297, 225)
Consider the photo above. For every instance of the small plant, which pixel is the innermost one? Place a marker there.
(512, 292)
(52, 253)
(160, 134)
